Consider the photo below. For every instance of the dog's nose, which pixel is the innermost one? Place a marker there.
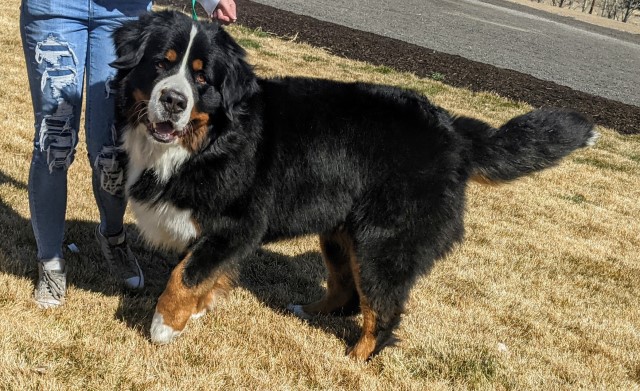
(173, 101)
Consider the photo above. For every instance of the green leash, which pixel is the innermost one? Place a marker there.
(193, 10)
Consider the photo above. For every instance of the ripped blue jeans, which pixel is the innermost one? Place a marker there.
(65, 44)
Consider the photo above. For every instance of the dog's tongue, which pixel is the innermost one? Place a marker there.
(163, 127)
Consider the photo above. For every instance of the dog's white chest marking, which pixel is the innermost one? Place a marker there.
(161, 224)
(164, 226)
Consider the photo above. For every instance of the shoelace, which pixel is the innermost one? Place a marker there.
(51, 285)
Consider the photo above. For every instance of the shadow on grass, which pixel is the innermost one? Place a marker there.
(275, 279)
(85, 269)
(278, 280)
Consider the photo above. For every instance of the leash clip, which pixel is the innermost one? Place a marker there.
(208, 5)
(193, 10)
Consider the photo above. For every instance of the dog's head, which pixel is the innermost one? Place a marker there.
(175, 75)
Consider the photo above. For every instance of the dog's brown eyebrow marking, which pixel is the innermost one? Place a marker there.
(197, 65)
(139, 95)
(171, 55)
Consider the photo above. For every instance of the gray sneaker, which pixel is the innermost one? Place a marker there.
(51, 285)
(121, 260)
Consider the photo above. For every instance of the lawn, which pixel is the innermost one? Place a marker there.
(543, 294)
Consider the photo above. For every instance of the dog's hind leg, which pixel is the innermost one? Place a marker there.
(341, 297)
(383, 274)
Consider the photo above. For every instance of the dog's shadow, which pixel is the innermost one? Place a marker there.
(275, 279)
(278, 280)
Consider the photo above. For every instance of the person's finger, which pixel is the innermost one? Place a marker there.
(232, 6)
(228, 8)
(219, 15)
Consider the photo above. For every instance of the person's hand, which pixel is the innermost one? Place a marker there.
(225, 12)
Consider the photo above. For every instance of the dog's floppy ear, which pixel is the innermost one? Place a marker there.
(239, 81)
(130, 40)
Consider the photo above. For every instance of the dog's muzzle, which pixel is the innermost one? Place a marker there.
(168, 116)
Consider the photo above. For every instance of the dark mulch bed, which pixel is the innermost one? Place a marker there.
(458, 71)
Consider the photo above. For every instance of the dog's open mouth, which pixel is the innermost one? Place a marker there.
(163, 132)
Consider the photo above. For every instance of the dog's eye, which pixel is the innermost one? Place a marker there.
(161, 64)
(200, 78)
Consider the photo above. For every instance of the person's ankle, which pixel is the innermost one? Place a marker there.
(53, 264)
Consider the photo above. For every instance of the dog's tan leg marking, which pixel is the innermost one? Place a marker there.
(337, 250)
(175, 306)
(366, 345)
(483, 180)
(222, 285)
(178, 303)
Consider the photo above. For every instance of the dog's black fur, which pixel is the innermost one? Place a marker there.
(377, 165)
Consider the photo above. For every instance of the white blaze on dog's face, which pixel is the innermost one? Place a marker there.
(172, 99)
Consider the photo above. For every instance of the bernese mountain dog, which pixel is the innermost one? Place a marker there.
(221, 161)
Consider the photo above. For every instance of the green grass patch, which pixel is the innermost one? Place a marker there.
(267, 53)
(464, 369)
(437, 76)
(309, 58)
(601, 164)
(257, 32)
(575, 198)
(495, 102)
(382, 69)
(249, 43)
(432, 89)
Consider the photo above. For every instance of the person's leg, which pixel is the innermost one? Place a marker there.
(54, 44)
(105, 156)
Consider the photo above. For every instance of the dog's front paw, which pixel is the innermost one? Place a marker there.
(160, 332)
(200, 314)
(297, 310)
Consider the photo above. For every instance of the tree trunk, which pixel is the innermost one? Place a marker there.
(593, 2)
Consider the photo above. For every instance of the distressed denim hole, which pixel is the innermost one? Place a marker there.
(57, 137)
(110, 168)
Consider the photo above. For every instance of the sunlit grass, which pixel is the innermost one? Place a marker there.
(543, 294)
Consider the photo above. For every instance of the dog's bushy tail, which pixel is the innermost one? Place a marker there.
(528, 143)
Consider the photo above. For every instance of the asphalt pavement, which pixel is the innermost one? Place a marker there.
(581, 56)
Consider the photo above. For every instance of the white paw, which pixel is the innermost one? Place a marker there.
(593, 139)
(199, 314)
(298, 311)
(160, 332)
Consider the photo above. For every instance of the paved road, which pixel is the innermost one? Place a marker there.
(584, 57)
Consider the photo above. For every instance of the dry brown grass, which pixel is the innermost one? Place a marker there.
(542, 295)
